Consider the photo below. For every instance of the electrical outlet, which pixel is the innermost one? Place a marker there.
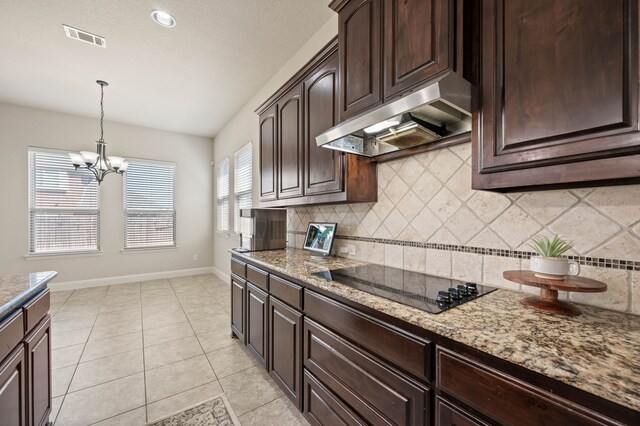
(195, 257)
(348, 249)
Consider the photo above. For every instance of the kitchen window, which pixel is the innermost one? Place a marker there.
(242, 183)
(64, 205)
(149, 205)
(222, 196)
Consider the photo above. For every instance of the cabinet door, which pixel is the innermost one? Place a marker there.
(360, 47)
(290, 170)
(257, 331)
(417, 42)
(324, 168)
(447, 414)
(559, 101)
(13, 389)
(285, 344)
(268, 153)
(238, 288)
(38, 354)
(323, 408)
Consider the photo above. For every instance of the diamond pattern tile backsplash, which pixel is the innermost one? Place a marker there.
(428, 198)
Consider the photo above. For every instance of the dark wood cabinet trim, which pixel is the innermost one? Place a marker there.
(318, 58)
(604, 154)
(38, 377)
(12, 368)
(323, 408)
(257, 327)
(505, 398)
(238, 306)
(289, 349)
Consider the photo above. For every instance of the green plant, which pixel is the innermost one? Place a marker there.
(550, 247)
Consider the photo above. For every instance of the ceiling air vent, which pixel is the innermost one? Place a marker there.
(77, 34)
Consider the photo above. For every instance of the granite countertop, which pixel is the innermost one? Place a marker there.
(15, 290)
(597, 351)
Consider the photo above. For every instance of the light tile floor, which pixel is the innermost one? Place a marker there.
(132, 353)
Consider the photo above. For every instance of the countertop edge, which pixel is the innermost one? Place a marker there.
(21, 298)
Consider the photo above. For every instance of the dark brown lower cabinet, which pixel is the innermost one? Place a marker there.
(238, 287)
(38, 356)
(506, 399)
(345, 364)
(285, 349)
(257, 321)
(377, 393)
(448, 414)
(13, 389)
(322, 408)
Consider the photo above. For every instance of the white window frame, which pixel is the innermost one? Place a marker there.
(125, 210)
(226, 199)
(31, 253)
(237, 194)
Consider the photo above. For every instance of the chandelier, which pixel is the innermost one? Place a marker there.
(98, 162)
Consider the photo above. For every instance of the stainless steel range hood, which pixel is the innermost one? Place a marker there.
(438, 110)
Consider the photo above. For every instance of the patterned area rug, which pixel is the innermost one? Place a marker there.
(214, 412)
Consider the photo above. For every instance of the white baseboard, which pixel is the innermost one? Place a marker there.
(123, 279)
(220, 274)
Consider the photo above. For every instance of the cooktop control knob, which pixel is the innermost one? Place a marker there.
(472, 288)
(462, 289)
(443, 297)
(454, 293)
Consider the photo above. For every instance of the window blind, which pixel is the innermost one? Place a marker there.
(222, 196)
(64, 205)
(149, 205)
(242, 183)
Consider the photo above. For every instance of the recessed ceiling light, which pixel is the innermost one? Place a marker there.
(163, 18)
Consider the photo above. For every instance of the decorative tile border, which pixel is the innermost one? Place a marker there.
(628, 265)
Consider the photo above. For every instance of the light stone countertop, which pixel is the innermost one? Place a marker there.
(15, 290)
(597, 351)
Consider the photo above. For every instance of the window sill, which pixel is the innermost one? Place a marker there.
(148, 249)
(42, 256)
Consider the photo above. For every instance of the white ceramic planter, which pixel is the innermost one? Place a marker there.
(553, 268)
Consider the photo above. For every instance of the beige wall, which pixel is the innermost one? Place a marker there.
(243, 128)
(21, 127)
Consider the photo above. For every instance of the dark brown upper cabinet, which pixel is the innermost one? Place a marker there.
(324, 168)
(390, 47)
(360, 47)
(558, 99)
(268, 144)
(417, 42)
(302, 173)
(289, 144)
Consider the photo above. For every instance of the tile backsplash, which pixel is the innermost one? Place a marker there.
(428, 219)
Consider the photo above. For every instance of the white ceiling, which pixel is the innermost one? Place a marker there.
(190, 79)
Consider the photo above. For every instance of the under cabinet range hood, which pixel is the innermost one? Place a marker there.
(438, 110)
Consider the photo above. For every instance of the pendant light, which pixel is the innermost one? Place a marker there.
(98, 162)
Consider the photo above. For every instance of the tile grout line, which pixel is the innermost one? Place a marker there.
(64, 397)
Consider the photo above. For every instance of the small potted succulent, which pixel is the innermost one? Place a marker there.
(550, 264)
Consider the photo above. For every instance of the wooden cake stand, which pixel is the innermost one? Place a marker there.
(548, 300)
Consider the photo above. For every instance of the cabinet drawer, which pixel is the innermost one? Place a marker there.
(239, 268)
(258, 277)
(321, 408)
(11, 333)
(286, 291)
(374, 391)
(447, 414)
(505, 398)
(407, 352)
(36, 309)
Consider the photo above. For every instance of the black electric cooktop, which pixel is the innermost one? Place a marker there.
(427, 292)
